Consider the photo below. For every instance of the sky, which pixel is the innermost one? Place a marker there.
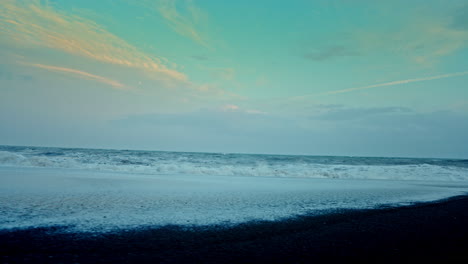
(324, 77)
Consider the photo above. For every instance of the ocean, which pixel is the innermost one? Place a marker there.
(97, 190)
(226, 164)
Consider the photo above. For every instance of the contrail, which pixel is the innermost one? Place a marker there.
(449, 75)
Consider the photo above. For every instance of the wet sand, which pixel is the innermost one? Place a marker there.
(424, 232)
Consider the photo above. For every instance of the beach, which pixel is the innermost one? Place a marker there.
(110, 206)
(436, 231)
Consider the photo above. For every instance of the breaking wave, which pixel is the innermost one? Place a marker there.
(199, 164)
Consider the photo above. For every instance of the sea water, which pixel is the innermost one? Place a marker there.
(102, 190)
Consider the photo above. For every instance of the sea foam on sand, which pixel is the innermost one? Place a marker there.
(104, 201)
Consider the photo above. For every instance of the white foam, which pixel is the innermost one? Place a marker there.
(182, 165)
(101, 201)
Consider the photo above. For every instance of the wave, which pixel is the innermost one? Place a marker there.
(199, 164)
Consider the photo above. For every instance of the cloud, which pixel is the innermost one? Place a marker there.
(230, 120)
(450, 75)
(230, 107)
(200, 57)
(459, 106)
(418, 36)
(330, 53)
(10, 76)
(255, 112)
(80, 74)
(236, 108)
(205, 130)
(460, 19)
(350, 114)
(226, 74)
(262, 80)
(37, 23)
(422, 38)
(183, 17)
(392, 131)
(228, 116)
(421, 134)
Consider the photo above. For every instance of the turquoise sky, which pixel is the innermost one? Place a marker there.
(372, 78)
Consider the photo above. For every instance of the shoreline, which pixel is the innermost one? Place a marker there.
(424, 231)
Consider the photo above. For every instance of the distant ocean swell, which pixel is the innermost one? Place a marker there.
(218, 164)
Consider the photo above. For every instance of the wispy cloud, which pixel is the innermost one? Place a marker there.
(330, 53)
(460, 19)
(352, 114)
(8, 75)
(236, 108)
(450, 75)
(200, 57)
(184, 25)
(37, 23)
(419, 36)
(183, 16)
(230, 107)
(79, 74)
(423, 39)
(227, 74)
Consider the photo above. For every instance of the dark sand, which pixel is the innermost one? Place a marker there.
(434, 232)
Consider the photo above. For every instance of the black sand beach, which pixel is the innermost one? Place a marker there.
(424, 232)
